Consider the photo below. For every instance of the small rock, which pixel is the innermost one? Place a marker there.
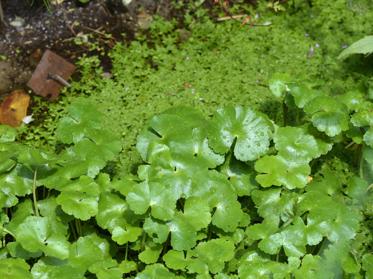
(17, 22)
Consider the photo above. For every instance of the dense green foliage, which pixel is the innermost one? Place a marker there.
(233, 196)
(241, 173)
(206, 64)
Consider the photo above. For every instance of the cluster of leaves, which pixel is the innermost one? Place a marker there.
(232, 196)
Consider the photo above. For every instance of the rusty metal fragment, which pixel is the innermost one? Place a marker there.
(50, 75)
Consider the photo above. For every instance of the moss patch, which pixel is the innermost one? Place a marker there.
(208, 65)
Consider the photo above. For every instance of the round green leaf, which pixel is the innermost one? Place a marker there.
(111, 215)
(292, 239)
(7, 134)
(87, 251)
(37, 234)
(183, 234)
(80, 198)
(197, 211)
(227, 215)
(296, 144)
(157, 231)
(128, 266)
(279, 171)
(278, 85)
(303, 94)
(155, 271)
(364, 116)
(150, 254)
(45, 270)
(215, 253)
(14, 269)
(107, 269)
(17, 182)
(154, 195)
(368, 137)
(175, 260)
(251, 132)
(82, 121)
(275, 204)
(328, 115)
(186, 141)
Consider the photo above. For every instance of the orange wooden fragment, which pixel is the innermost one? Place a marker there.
(14, 108)
(50, 65)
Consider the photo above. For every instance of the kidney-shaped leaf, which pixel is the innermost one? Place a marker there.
(14, 269)
(296, 144)
(215, 253)
(80, 198)
(155, 271)
(278, 171)
(43, 234)
(154, 195)
(251, 132)
(111, 216)
(328, 115)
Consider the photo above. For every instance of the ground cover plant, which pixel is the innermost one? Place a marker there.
(207, 64)
(234, 196)
(251, 168)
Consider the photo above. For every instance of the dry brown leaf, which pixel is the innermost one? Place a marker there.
(14, 108)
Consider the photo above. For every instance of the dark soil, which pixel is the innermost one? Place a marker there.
(29, 29)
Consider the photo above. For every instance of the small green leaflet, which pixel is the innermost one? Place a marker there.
(175, 260)
(45, 269)
(80, 198)
(7, 134)
(113, 211)
(82, 122)
(296, 144)
(155, 271)
(292, 239)
(249, 130)
(368, 137)
(43, 234)
(157, 231)
(155, 196)
(215, 253)
(88, 251)
(275, 204)
(303, 94)
(278, 171)
(14, 269)
(151, 254)
(278, 84)
(255, 266)
(16, 183)
(107, 269)
(328, 115)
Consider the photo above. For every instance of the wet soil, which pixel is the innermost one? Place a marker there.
(31, 28)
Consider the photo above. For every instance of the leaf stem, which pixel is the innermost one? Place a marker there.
(72, 228)
(285, 112)
(8, 232)
(78, 227)
(143, 241)
(126, 252)
(360, 160)
(36, 209)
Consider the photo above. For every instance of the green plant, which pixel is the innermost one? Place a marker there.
(232, 196)
(362, 46)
